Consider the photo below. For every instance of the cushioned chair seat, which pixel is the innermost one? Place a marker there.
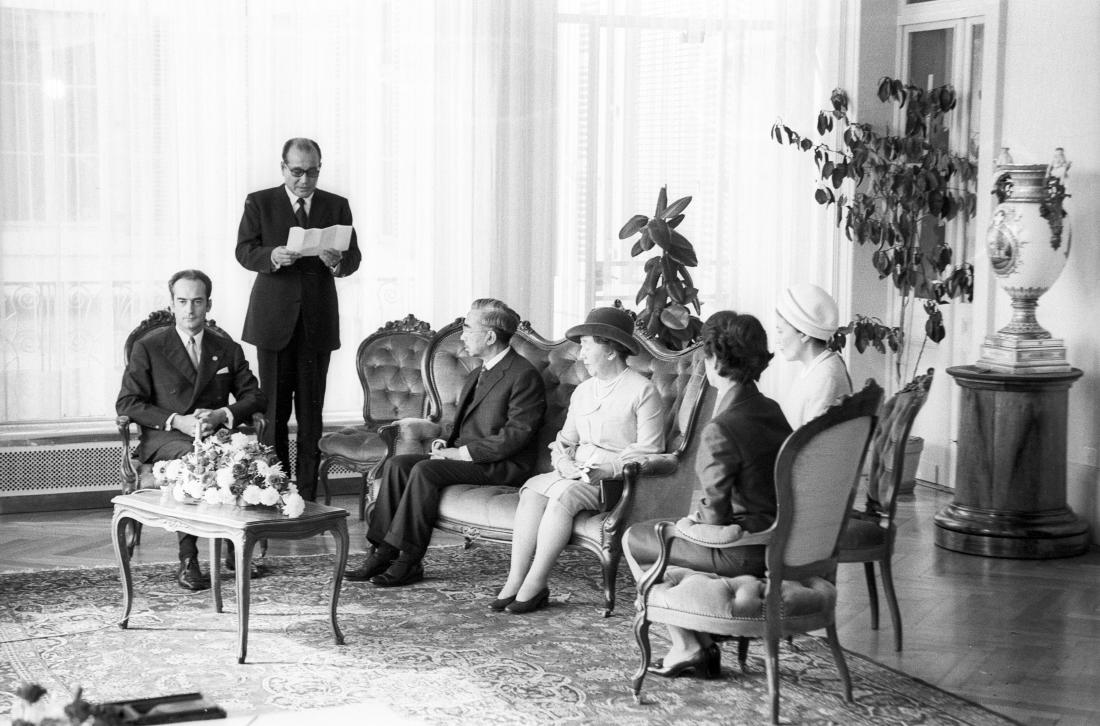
(480, 507)
(357, 442)
(706, 602)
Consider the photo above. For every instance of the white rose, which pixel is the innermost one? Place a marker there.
(177, 493)
(193, 488)
(251, 494)
(239, 440)
(293, 505)
(173, 468)
(225, 476)
(269, 496)
(213, 495)
(159, 469)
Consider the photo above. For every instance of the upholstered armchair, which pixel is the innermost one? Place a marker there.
(816, 475)
(869, 534)
(388, 364)
(135, 475)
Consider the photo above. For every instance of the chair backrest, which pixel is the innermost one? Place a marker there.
(816, 474)
(678, 376)
(388, 364)
(895, 421)
(157, 319)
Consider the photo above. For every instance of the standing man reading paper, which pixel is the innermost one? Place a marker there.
(293, 315)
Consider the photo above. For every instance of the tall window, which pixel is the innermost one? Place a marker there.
(130, 133)
(683, 93)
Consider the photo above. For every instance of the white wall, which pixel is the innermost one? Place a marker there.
(1052, 98)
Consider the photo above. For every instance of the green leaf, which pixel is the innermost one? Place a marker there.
(637, 249)
(805, 144)
(645, 240)
(675, 221)
(676, 207)
(658, 231)
(883, 94)
(632, 226)
(681, 250)
(675, 317)
(662, 202)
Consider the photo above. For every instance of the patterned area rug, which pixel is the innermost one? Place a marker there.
(432, 652)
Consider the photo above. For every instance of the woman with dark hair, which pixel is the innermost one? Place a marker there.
(736, 470)
(613, 415)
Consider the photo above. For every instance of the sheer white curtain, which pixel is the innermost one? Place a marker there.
(130, 133)
(684, 93)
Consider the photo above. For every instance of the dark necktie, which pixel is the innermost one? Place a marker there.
(303, 218)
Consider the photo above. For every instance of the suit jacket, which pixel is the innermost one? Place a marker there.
(736, 460)
(160, 380)
(305, 288)
(498, 421)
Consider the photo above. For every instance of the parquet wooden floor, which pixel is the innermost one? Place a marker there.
(1020, 637)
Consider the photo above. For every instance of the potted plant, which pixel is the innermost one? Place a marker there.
(905, 184)
(667, 288)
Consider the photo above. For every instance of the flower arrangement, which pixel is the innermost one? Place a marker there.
(230, 468)
(31, 707)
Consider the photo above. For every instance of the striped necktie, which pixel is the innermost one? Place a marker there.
(303, 218)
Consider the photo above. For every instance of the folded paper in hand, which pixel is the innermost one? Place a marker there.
(310, 242)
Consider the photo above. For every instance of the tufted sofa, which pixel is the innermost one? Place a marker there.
(657, 486)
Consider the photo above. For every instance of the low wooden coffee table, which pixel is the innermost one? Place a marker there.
(243, 527)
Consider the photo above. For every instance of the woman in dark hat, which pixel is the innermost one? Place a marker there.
(735, 467)
(613, 415)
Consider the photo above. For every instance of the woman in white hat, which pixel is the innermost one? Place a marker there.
(808, 319)
(613, 415)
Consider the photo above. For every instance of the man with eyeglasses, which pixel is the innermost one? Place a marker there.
(492, 441)
(293, 314)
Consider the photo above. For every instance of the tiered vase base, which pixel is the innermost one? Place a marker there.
(1010, 354)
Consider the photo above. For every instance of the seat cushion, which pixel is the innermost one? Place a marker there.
(355, 444)
(710, 603)
(492, 508)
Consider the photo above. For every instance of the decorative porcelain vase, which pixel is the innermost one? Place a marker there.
(1028, 243)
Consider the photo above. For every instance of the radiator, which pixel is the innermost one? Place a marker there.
(90, 465)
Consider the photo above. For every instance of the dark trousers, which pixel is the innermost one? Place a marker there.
(188, 543)
(641, 540)
(408, 499)
(295, 377)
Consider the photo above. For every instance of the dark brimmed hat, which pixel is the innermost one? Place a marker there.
(611, 323)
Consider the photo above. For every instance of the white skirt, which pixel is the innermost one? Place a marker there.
(572, 494)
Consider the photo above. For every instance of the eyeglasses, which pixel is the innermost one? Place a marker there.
(297, 173)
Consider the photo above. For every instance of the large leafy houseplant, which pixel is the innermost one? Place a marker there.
(667, 288)
(904, 185)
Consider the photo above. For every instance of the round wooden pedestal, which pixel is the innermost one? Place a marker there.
(1010, 484)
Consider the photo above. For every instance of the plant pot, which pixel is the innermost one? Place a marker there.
(914, 446)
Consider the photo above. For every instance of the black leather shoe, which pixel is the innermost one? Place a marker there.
(402, 572)
(540, 600)
(500, 603)
(255, 569)
(189, 576)
(707, 664)
(375, 564)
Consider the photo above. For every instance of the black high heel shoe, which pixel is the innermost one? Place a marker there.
(707, 664)
(500, 603)
(527, 606)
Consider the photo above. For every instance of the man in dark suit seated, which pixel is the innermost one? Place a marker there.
(178, 382)
(293, 314)
(493, 442)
